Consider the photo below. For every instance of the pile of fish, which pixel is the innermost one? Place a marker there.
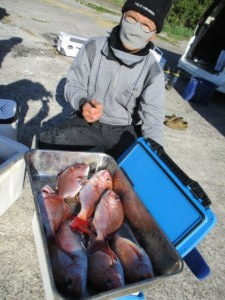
(82, 216)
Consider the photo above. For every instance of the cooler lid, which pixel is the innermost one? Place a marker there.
(172, 204)
(9, 110)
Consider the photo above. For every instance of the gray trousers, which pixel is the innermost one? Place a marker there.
(75, 134)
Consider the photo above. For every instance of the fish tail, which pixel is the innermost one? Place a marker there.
(80, 225)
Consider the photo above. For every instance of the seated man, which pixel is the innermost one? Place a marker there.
(114, 84)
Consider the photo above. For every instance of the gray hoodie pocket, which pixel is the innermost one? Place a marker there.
(129, 96)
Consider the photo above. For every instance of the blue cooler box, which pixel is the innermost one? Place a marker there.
(178, 204)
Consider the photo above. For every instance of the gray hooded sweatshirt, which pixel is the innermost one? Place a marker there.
(126, 84)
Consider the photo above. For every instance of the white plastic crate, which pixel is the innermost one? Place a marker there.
(12, 171)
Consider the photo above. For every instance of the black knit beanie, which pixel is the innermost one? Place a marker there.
(156, 10)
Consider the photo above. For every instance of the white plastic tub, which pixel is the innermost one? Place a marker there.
(12, 171)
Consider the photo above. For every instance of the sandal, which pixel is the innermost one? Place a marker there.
(176, 123)
(172, 117)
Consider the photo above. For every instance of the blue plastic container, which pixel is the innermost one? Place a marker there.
(176, 202)
(190, 89)
(136, 296)
(198, 90)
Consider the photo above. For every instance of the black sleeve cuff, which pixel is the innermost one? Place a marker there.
(82, 102)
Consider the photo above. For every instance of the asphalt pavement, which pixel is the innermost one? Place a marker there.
(33, 72)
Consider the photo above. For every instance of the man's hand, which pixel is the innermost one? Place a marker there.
(92, 111)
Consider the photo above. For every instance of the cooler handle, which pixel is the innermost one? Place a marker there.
(197, 264)
(195, 188)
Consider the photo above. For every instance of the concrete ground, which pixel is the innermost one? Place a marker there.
(32, 72)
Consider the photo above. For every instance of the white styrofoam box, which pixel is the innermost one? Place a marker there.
(12, 171)
(68, 44)
(9, 112)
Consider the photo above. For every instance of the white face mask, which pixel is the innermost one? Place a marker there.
(133, 36)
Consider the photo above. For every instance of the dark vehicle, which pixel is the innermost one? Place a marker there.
(205, 53)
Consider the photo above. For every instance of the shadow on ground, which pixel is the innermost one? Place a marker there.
(213, 111)
(28, 93)
(3, 13)
(66, 108)
(7, 45)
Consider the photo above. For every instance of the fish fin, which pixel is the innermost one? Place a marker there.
(102, 245)
(76, 198)
(67, 210)
(81, 225)
(136, 249)
(69, 205)
(47, 189)
(83, 180)
(71, 200)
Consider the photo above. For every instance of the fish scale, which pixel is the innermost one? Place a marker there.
(71, 180)
(108, 215)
